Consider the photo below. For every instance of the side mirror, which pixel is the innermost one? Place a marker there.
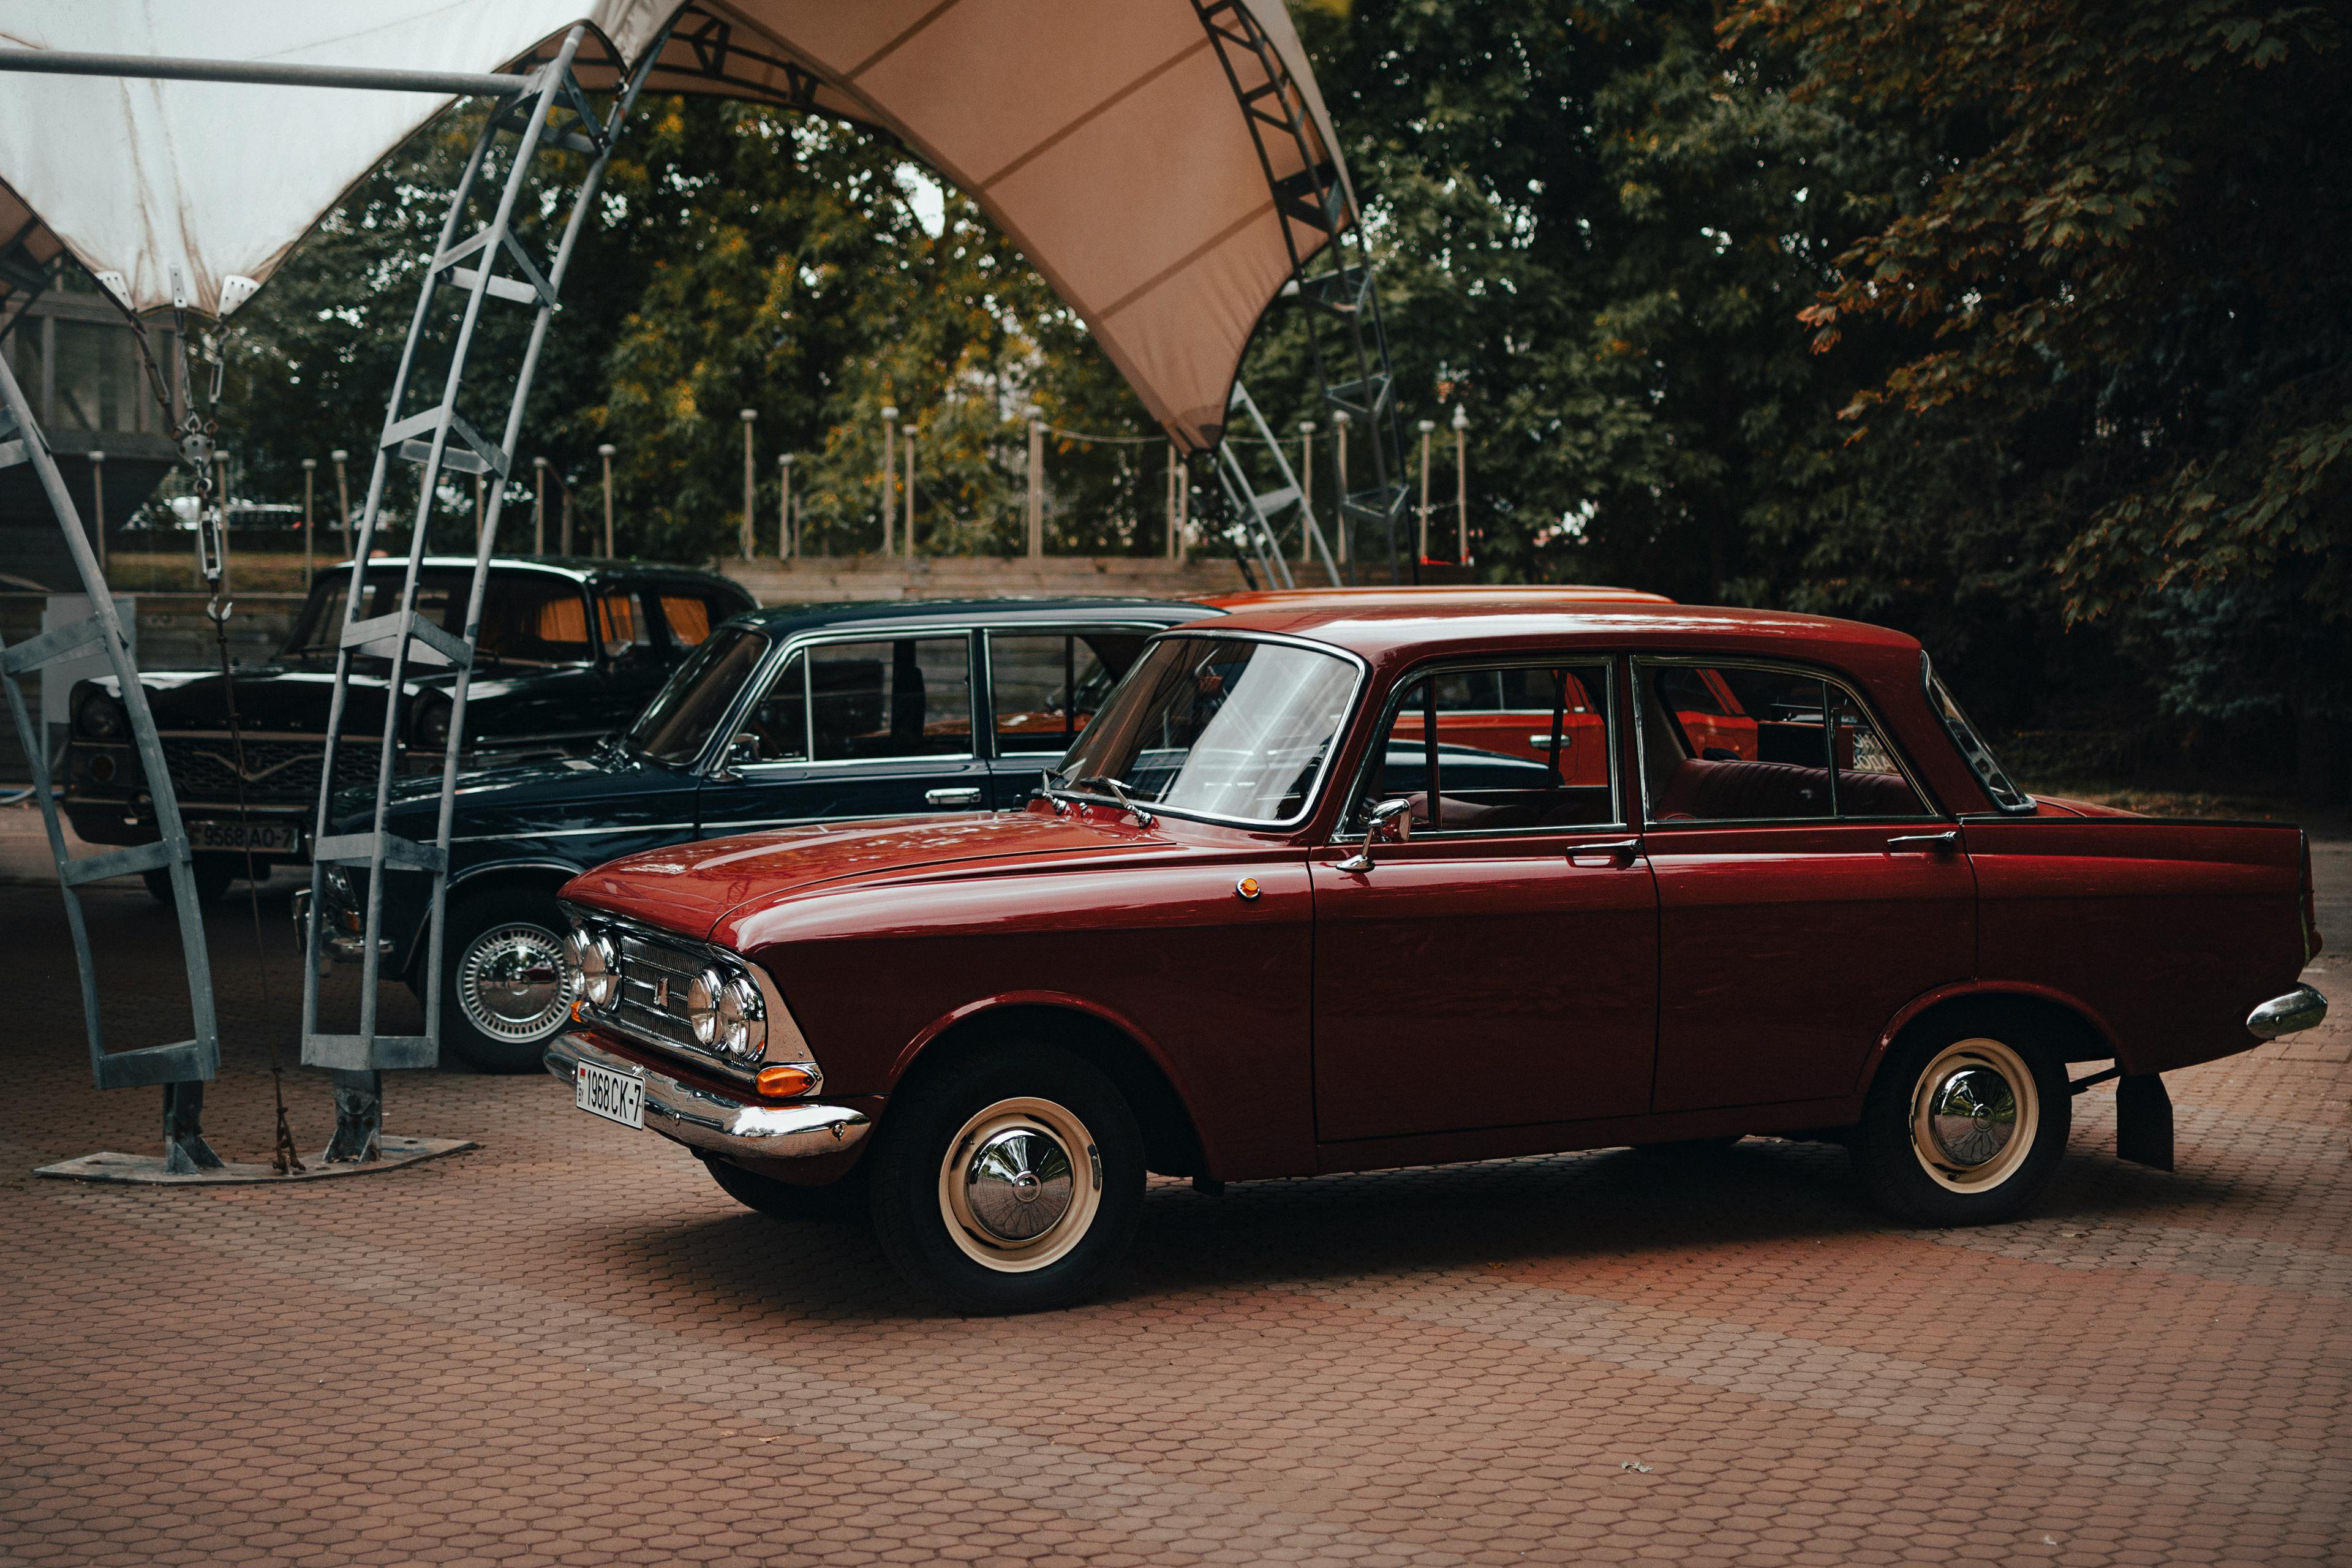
(1390, 823)
(742, 752)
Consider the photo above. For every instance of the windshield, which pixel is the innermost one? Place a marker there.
(1225, 727)
(528, 618)
(678, 724)
(1980, 760)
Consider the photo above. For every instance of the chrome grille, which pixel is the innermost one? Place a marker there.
(203, 767)
(652, 971)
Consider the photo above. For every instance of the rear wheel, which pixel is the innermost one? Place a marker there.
(836, 1203)
(1965, 1122)
(1010, 1182)
(504, 992)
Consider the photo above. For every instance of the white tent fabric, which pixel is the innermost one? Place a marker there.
(1103, 135)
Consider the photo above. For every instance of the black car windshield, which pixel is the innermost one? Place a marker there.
(532, 618)
(1224, 726)
(678, 724)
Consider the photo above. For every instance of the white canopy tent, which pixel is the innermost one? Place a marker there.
(1108, 139)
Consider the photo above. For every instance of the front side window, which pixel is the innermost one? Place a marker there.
(678, 723)
(1046, 688)
(778, 723)
(903, 697)
(1736, 743)
(1495, 749)
(1225, 727)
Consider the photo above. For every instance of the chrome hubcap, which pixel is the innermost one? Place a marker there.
(1972, 1116)
(511, 982)
(1018, 1184)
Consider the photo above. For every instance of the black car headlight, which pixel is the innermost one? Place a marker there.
(99, 717)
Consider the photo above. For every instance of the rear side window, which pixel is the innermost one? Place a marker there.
(1046, 688)
(903, 697)
(1737, 743)
(623, 625)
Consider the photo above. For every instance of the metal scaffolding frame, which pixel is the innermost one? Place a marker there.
(1260, 511)
(424, 437)
(1337, 298)
(183, 1068)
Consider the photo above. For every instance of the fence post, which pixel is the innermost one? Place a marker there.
(342, 498)
(1462, 484)
(98, 510)
(1426, 426)
(310, 528)
(1339, 464)
(1305, 485)
(751, 481)
(907, 433)
(890, 478)
(605, 451)
(785, 547)
(1036, 499)
(539, 506)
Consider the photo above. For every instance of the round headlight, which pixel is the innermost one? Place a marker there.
(595, 966)
(433, 726)
(702, 1006)
(743, 1022)
(100, 718)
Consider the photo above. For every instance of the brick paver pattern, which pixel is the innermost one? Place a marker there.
(569, 1347)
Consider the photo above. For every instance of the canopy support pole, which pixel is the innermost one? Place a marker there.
(265, 73)
(181, 1069)
(1339, 300)
(439, 440)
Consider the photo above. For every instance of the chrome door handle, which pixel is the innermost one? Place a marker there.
(951, 797)
(1616, 849)
(1945, 843)
(1543, 742)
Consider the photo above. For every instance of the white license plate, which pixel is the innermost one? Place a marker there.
(269, 837)
(614, 1096)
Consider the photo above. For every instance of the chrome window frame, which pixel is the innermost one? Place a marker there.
(1620, 819)
(1045, 629)
(1933, 811)
(1363, 671)
(2026, 805)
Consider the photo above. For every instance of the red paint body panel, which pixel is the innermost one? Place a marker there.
(1473, 999)
(1463, 985)
(2171, 932)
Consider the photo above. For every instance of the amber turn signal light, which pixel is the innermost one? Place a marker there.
(784, 1082)
(1246, 888)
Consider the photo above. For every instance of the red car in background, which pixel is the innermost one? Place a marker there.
(1309, 895)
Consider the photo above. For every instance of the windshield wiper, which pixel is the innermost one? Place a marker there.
(1076, 789)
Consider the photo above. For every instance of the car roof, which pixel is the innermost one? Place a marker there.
(578, 568)
(1436, 592)
(1382, 626)
(787, 619)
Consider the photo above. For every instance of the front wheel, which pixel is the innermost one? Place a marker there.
(837, 1201)
(214, 873)
(1965, 1122)
(1011, 1181)
(504, 989)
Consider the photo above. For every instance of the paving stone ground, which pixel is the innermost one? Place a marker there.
(569, 1347)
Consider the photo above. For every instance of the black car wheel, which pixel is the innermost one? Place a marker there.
(504, 991)
(1964, 1121)
(1009, 1181)
(213, 874)
(834, 1203)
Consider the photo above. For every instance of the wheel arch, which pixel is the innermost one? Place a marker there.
(2087, 1036)
(1173, 1143)
(475, 882)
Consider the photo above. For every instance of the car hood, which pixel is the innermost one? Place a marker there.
(692, 889)
(559, 794)
(284, 698)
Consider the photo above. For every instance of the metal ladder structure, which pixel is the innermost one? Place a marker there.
(1260, 511)
(1344, 334)
(438, 439)
(183, 1068)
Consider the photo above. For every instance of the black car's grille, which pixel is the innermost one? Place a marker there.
(204, 767)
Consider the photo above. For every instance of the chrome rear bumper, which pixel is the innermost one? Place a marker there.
(723, 1125)
(2301, 1008)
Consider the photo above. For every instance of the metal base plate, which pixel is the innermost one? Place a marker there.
(148, 1169)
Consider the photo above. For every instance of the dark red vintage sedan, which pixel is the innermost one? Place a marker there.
(1726, 873)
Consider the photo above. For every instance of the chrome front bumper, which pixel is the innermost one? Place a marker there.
(2301, 1008)
(723, 1125)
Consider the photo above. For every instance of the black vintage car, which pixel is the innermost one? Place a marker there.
(570, 651)
(780, 718)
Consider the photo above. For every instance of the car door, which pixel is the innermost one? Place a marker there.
(1498, 968)
(1806, 890)
(853, 728)
(1043, 687)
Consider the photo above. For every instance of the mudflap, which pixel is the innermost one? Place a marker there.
(2144, 1121)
